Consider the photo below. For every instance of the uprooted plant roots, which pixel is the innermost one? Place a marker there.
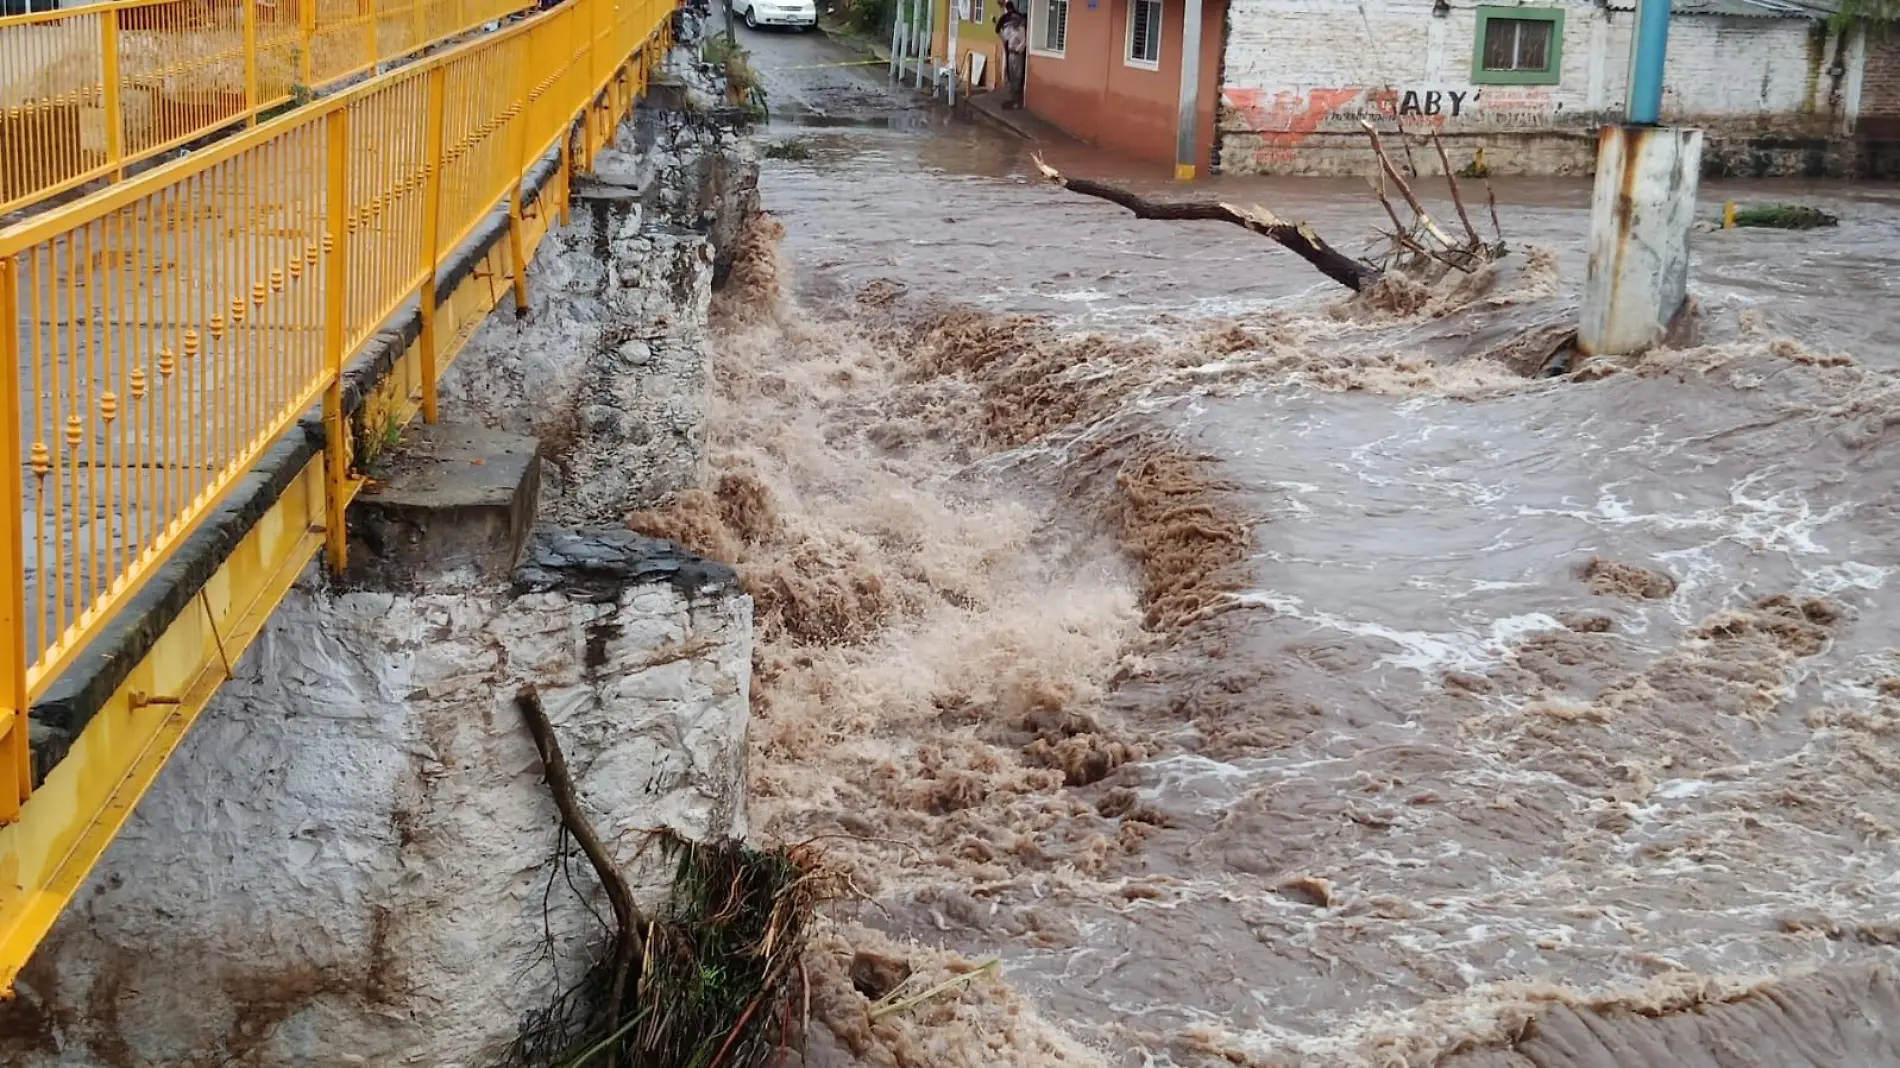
(708, 983)
(717, 984)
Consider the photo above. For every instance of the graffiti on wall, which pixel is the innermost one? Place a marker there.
(1516, 106)
(1285, 118)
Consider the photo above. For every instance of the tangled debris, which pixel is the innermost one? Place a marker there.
(704, 985)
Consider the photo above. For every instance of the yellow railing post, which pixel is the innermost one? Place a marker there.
(16, 753)
(595, 56)
(109, 75)
(567, 173)
(339, 221)
(517, 248)
(250, 62)
(307, 21)
(369, 36)
(431, 231)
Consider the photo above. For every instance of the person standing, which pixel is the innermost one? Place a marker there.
(1013, 28)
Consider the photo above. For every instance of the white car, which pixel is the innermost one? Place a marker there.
(802, 14)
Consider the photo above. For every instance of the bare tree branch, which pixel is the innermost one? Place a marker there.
(1452, 181)
(1297, 238)
(1491, 199)
(1411, 198)
(628, 944)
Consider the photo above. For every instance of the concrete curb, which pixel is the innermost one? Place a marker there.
(852, 39)
(992, 116)
(966, 106)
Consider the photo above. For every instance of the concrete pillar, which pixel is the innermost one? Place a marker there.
(1643, 210)
(1186, 128)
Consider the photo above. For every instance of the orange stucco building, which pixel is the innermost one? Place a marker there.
(1109, 72)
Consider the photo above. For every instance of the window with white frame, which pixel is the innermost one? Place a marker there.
(1049, 26)
(976, 12)
(1144, 33)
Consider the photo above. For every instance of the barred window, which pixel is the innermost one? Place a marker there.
(1517, 44)
(1144, 33)
(1050, 19)
(1520, 45)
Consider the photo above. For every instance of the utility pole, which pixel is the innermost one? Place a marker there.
(1186, 131)
(1643, 208)
(958, 8)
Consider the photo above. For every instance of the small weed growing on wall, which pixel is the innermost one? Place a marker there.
(742, 82)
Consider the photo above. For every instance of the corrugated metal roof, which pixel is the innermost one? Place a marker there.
(1758, 9)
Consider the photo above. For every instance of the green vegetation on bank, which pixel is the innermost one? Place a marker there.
(873, 17)
(1880, 13)
(1783, 217)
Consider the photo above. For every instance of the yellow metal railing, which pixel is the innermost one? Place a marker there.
(85, 91)
(162, 334)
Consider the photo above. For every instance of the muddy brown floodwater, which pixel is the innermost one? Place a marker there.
(1265, 677)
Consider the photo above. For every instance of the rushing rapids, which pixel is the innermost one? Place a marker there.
(1268, 677)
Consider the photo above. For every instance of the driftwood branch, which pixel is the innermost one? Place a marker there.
(628, 944)
(1297, 238)
(1421, 248)
(1401, 234)
(1416, 247)
(1411, 198)
(1457, 200)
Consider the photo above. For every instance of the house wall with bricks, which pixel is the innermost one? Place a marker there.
(1880, 88)
(1775, 95)
(1877, 127)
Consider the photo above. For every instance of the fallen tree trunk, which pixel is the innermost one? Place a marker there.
(1297, 238)
(629, 945)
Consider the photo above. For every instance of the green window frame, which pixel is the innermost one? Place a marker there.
(1552, 71)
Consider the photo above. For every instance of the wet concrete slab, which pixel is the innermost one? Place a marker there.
(989, 107)
(448, 499)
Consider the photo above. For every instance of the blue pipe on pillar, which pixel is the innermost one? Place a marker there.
(1646, 62)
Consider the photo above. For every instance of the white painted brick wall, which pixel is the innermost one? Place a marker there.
(1299, 70)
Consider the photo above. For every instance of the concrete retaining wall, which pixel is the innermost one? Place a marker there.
(352, 858)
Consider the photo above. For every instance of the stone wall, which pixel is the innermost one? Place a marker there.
(1301, 74)
(609, 367)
